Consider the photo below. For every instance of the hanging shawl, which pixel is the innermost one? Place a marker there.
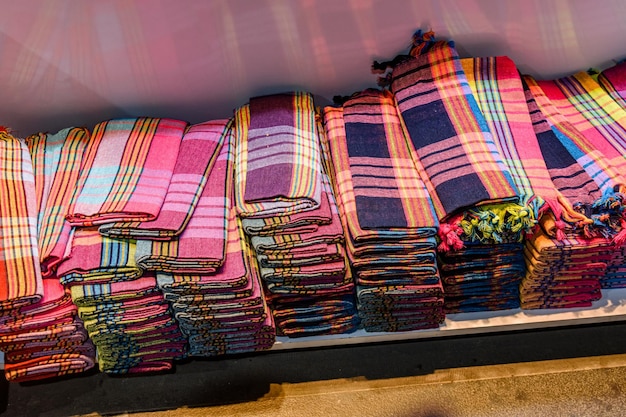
(198, 152)
(127, 170)
(277, 156)
(20, 273)
(613, 80)
(57, 163)
(453, 144)
(200, 247)
(594, 153)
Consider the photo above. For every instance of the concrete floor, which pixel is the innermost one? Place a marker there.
(557, 372)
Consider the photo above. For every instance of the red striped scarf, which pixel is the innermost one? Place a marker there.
(20, 273)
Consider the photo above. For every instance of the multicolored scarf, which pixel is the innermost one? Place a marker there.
(98, 259)
(613, 80)
(57, 161)
(127, 170)
(200, 247)
(452, 141)
(20, 273)
(498, 89)
(198, 152)
(277, 156)
(380, 192)
(593, 152)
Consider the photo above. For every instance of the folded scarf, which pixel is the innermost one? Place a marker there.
(57, 161)
(380, 189)
(200, 146)
(200, 247)
(452, 141)
(277, 158)
(98, 259)
(595, 154)
(20, 273)
(126, 170)
(499, 92)
(613, 80)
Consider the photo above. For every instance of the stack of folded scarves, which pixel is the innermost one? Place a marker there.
(126, 173)
(286, 206)
(601, 126)
(483, 213)
(564, 271)
(39, 329)
(224, 312)
(387, 213)
(199, 246)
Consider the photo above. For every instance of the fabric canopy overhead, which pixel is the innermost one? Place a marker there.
(66, 63)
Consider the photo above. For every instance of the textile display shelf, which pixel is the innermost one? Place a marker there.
(201, 61)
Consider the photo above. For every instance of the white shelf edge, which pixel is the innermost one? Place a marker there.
(611, 308)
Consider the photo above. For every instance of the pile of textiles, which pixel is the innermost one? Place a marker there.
(40, 332)
(387, 213)
(125, 175)
(459, 145)
(287, 208)
(206, 273)
(569, 271)
(224, 312)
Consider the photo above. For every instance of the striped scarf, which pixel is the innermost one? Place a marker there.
(498, 89)
(200, 247)
(613, 80)
(56, 161)
(453, 144)
(277, 159)
(198, 152)
(20, 273)
(594, 154)
(98, 259)
(127, 170)
(381, 192)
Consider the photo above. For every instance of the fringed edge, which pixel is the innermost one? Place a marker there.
(605, 216)
(488, 224)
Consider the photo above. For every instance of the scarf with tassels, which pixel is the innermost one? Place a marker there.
(613, 80)
(455, 148)
(602, 201)
(497, 87)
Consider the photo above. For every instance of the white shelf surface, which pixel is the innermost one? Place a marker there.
(610, 308)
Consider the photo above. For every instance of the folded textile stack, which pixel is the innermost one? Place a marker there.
(286, 206)
(598, 138)
(199, 249)
(387, 213)
(45, 339)
(565, 272)
(224, 312)
(613, 80)
(39, 330)
(200, 146)
(126, 170)
(131, 325)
